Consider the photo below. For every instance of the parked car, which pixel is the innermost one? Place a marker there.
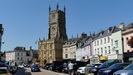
(47, 65)
(88, 66)
(4, 70)
(111, 69)
(81, 67)
(55, 65)
(81, 70)
(12, 69)
(20, 66)
(35, 68)
(63, 68)
(95, 70)
(3, 65)
(126, 71)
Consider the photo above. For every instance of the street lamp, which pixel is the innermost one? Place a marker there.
(0, 50)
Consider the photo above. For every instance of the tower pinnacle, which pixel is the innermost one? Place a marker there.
(64, 9)
(49, 8)
(57, 6)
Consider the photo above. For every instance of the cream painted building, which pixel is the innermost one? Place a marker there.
(69, 49)
(18, 55)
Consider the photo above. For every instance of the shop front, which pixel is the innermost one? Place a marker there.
(128, 57)
(94, 59)
(115, 58)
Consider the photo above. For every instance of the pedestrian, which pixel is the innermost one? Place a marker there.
(75, 67)
(87, 69)
(70, 67)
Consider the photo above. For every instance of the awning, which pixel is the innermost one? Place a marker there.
(6, 62)
(104, 58)
(113, 60)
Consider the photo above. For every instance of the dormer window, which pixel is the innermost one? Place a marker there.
(101, 33)
(109, 30)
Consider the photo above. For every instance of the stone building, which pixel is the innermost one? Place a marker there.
(51, 50)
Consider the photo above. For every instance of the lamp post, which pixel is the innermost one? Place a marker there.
(0, 50)
(1, 33)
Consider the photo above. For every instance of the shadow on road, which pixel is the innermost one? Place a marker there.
(22, 72)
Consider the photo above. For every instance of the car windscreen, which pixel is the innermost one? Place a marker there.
(48, 64)
(35, 66)
(114, 66)
(130, 67)
(2, 65)
(3, 71)
(104, 65)
(93, 65)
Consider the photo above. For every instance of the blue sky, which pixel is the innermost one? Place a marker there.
(25, 21)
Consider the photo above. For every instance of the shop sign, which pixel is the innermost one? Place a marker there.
(131, 59)
(112, 57)
(104, 58)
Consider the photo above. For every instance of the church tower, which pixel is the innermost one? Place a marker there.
(51, 49)
(57, 24)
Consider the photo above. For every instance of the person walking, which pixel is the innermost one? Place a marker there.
(75, 67)
(70, 67)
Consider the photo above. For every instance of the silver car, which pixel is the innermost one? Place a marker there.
(126, 71)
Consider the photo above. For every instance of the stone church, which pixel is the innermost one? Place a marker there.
(51, 50)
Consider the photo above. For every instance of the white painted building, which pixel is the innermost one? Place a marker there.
(102, 45)
(18, 56)
(116, 46)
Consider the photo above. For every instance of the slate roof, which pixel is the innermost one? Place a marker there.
(129, 26)
(107, 32)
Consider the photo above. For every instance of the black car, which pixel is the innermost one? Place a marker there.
(113, 68)
(47, 66)
(63, 68)
(95, 70)
(55, 65)
(35, 68)
(12, 69)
